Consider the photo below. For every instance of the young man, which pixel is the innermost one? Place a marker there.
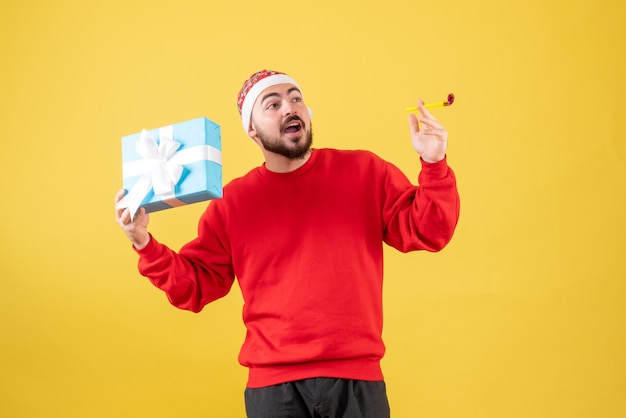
(303, 234)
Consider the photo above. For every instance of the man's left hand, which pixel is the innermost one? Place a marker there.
(430, 140)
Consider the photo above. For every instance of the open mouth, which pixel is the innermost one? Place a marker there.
(293, 126)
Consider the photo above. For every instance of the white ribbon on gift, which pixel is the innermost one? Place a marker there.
(161, 167)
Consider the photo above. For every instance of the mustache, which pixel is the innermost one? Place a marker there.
(291, 119)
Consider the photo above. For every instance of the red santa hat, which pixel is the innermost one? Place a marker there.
(253, 87)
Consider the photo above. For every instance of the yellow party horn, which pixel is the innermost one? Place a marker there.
(433, 105)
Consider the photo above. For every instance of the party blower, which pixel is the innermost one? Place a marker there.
(434, 105)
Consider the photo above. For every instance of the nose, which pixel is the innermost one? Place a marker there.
(290, 108)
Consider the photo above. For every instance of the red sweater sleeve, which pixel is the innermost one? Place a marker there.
(423, 217)
(199, 273)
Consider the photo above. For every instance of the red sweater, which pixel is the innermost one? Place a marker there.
(306, 248)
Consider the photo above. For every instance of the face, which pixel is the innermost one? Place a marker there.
(281, 122)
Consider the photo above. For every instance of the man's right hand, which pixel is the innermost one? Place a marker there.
(137, 229)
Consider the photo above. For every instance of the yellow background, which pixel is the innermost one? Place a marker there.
(523, 315)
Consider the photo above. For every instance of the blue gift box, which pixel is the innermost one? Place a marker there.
(191, 150)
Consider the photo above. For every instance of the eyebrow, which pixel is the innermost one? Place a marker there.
(291, 90)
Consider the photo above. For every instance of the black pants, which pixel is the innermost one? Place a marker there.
(319, 398)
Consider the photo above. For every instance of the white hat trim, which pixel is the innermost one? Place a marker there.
(256, 90)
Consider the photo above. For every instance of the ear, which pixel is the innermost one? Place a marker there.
(252, 133)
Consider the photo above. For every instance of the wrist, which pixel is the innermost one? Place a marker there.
(431, 160)
(142, 243)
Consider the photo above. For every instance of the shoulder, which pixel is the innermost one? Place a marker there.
(350, 156)
(244, 180)
(235, 190)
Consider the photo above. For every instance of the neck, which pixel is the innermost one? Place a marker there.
(280, 164)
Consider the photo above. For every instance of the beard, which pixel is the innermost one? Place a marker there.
(298, 148)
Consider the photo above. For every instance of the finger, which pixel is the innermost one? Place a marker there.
(431, 123)
(425, 112)
(124, 219)
(440, 134)
(414, 123)
(119, 195)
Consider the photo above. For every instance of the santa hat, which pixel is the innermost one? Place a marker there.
(254, 86)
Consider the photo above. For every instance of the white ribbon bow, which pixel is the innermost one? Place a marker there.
(161, 166)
